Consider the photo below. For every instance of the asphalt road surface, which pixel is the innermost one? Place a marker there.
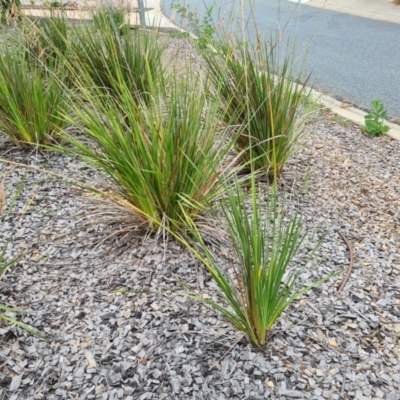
(349, 57)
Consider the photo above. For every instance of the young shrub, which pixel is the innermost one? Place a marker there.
(161, 157)
(261, 283)
(5, 213)
(375, 120)
(109, 60)
(203, 28)
(263, 105)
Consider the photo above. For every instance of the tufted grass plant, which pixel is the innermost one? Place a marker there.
(160, 153)
(6, 211)
(109, 59)
(10, 11)
(32, 103)
(46, 40)
(261, 281)
(264, 105)
(116, 17)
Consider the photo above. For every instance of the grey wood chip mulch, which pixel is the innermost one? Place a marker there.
(152, 343)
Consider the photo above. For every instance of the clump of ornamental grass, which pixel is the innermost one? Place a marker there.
(108, 58)
(46, 40)
(32, 103)
(6, 212)
(115, 17)
(10, 11)
(261, 282)
(158, 152)
(260, 98)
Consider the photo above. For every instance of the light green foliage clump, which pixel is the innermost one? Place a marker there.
(374, 121)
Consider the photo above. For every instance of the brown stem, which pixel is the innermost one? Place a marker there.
(347, 276)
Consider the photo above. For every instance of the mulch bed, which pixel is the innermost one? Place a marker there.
(118, 327)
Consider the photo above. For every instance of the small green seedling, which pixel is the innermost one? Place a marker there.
(374, 121)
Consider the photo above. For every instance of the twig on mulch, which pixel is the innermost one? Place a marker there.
(348, 273)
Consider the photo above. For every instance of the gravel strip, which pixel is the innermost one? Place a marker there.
(118, 327)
